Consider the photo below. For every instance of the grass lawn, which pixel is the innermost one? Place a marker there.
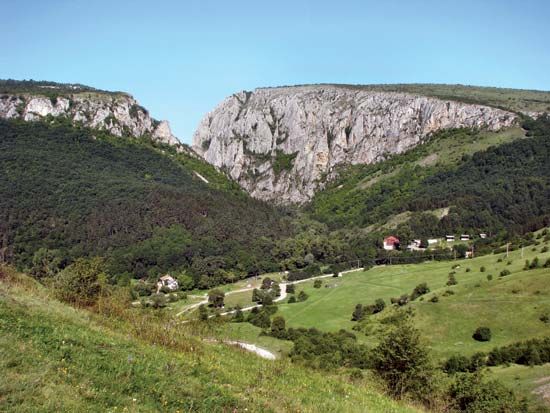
(509, 305)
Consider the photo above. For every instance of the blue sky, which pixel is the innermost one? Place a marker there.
(180, 58)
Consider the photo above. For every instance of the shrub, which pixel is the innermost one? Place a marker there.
(215, 298)
(358, 313)
(547, 263)
(302, 296)
(278, 327)
(434, 299)
(468, 269)
(489, 277)
(239, 315)
(504, 273)
(452, 280)
(482, 334)
(290, 288)
(292, 299)
(400, 301)
(402, 361)
(448, 293)
(469, 393)
(544, 249)
(203, 312)
(317, 283)
(482, 269)
(534, 264)
(158, 300)
(419, 290)
(82, 282)
(544, 318)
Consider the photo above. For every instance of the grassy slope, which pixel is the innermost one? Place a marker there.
(343, 200)
(55, 358)
(449, 324)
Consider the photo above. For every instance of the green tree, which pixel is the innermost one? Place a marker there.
(482, 334)
(290, 288)
(402, 361)
(317, 284)
(203, 312)
(239, 316)
(46, 263)
(358, 313)
(278, 327)
(302, 296)
(419, 290)
(82, 282)
(216, 298)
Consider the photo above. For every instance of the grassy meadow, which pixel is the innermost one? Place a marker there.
(56, 358)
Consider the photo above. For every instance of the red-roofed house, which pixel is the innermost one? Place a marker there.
(391, 243)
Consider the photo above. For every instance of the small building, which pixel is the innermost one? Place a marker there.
(391, 243)
(464, 237)
(167, 281)
(482, 235)
(415, 245)
(432, 241)
(449, 238)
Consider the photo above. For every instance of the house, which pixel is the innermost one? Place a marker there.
(391, 243)
(464, 237)
(432, 241)
(167, 281)
(415, 245)
(483, 235)
(450, 238)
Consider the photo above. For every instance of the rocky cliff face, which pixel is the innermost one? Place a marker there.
(117, 113)
(280, 144)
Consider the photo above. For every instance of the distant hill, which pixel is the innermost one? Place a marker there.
(79, 192)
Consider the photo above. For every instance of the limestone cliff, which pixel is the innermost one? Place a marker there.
(281, 144)
(117, 113)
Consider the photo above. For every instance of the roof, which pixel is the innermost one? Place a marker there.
(166, 277)
(391, 240)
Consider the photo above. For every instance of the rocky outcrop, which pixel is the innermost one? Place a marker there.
(117, 113)
(281, 144)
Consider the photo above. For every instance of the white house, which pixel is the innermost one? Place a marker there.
(483, 235)
(167, 281)
(432, 241)
(450, 238)
(464, 237)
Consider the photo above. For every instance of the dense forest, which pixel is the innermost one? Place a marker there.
(68, 192)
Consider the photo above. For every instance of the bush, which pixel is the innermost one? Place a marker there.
(239, 315)
(448, 293)
(482, 269)
(292, 299)
(203, 312)
(468, 269)
(358, 313)
(504, 273)
(469, 393)
(434, 299)
(278, 327)
(290, 288)
(547, 263)
(215, 298)
(489, 277)
(317, 284)
(302, 296)
(482, 334)
(545, 318)
(158, 300)
(452, 280)
(82, 282)
(402, 361)
(400, 301)
(544, 249)
(419, 290)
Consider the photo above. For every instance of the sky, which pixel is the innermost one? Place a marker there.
(179, 59)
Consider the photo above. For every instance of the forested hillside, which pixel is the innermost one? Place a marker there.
(484, 184)
(68, 192)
